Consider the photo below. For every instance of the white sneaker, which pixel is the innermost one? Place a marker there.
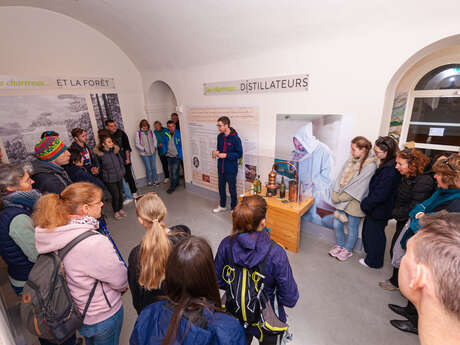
(219, 209)
(166, 180)
(127, 201)
(362, 262)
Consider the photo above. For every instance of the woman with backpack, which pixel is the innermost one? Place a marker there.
(112, 170)
(147, 261)
(250, 245)
(91, 265)
(191, 314)
(417, 184)
(351, 187)
(146, 144)
(378, 204)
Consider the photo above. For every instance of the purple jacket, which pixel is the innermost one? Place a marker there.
(248, 250)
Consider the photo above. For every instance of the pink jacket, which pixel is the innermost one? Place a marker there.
(92, 259)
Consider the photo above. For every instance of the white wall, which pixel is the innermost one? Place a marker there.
(38, 42)
(351, 74)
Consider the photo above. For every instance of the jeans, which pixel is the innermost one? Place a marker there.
(164, 163)
(150, 168)
(353, 229)
(106, 332)
(231, 180)
(126, 190)
(173, 167)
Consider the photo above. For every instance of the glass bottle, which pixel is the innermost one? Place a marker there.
(282, 188)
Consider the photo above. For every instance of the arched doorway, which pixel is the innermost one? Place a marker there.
(161, 102)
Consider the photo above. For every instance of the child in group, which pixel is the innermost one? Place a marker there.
(351, 187)
(147, 261)
(191, 314)
(77, 172)
(112, 170)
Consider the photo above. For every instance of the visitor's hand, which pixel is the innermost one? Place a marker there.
(94, 170)
(222, 155)
(419, 215)
(127, 161)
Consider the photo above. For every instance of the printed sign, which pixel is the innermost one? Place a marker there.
(290, 83)
(8, 82)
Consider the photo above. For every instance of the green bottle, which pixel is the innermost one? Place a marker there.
(254, 185)
(282, 188)
(259, 185)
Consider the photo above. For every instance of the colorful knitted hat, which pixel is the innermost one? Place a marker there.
(49, 148)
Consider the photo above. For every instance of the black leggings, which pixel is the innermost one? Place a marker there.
(268, 339)
(116, 191)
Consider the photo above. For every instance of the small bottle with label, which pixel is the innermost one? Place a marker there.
(259, 185)
(254, 185)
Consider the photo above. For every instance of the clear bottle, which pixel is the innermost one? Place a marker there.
(282, 188)
(254, 185)
(259, 185)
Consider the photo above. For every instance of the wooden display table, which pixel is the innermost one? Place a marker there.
(284, 219)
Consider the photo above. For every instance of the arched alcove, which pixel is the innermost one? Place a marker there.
(402, 91)
(160, 102)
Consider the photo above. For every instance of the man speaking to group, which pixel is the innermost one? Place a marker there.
(229, 151)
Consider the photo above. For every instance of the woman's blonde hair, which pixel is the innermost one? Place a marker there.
(155, 246)
(53, 210)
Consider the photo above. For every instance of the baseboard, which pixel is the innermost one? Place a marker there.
(318, 231)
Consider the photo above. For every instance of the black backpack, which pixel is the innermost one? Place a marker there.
(245, 297)
(47, 308)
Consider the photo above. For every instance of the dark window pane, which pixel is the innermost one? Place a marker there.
(431, 135)
(436, 109)
(443, 77)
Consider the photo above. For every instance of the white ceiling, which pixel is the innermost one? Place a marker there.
(160, 34)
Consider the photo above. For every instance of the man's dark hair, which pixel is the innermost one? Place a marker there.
(225, 120)
(108, 121)
(174, 114)
(76, 132)
(49, 134)
(171, 122)
(75, 156)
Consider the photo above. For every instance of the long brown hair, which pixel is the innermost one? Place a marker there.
(53, 210)
(155, 245)
(362, 143)
(248, 214)
(191, 281)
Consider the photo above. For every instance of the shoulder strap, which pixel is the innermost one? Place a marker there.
(262, 263)
(63, 252)
(230, 253)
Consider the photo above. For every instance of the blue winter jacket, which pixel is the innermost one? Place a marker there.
(231, 145)
(382, 192)
(159, 135)
(79, 174)
(249, 249)
(177, 141)
(152, 324)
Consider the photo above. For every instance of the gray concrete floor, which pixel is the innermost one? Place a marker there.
(340, 303)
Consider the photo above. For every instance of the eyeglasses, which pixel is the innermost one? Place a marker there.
(99, 203)
(220, 126)
(446, 162)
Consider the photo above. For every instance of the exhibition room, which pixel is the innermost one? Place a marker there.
(273, 172)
